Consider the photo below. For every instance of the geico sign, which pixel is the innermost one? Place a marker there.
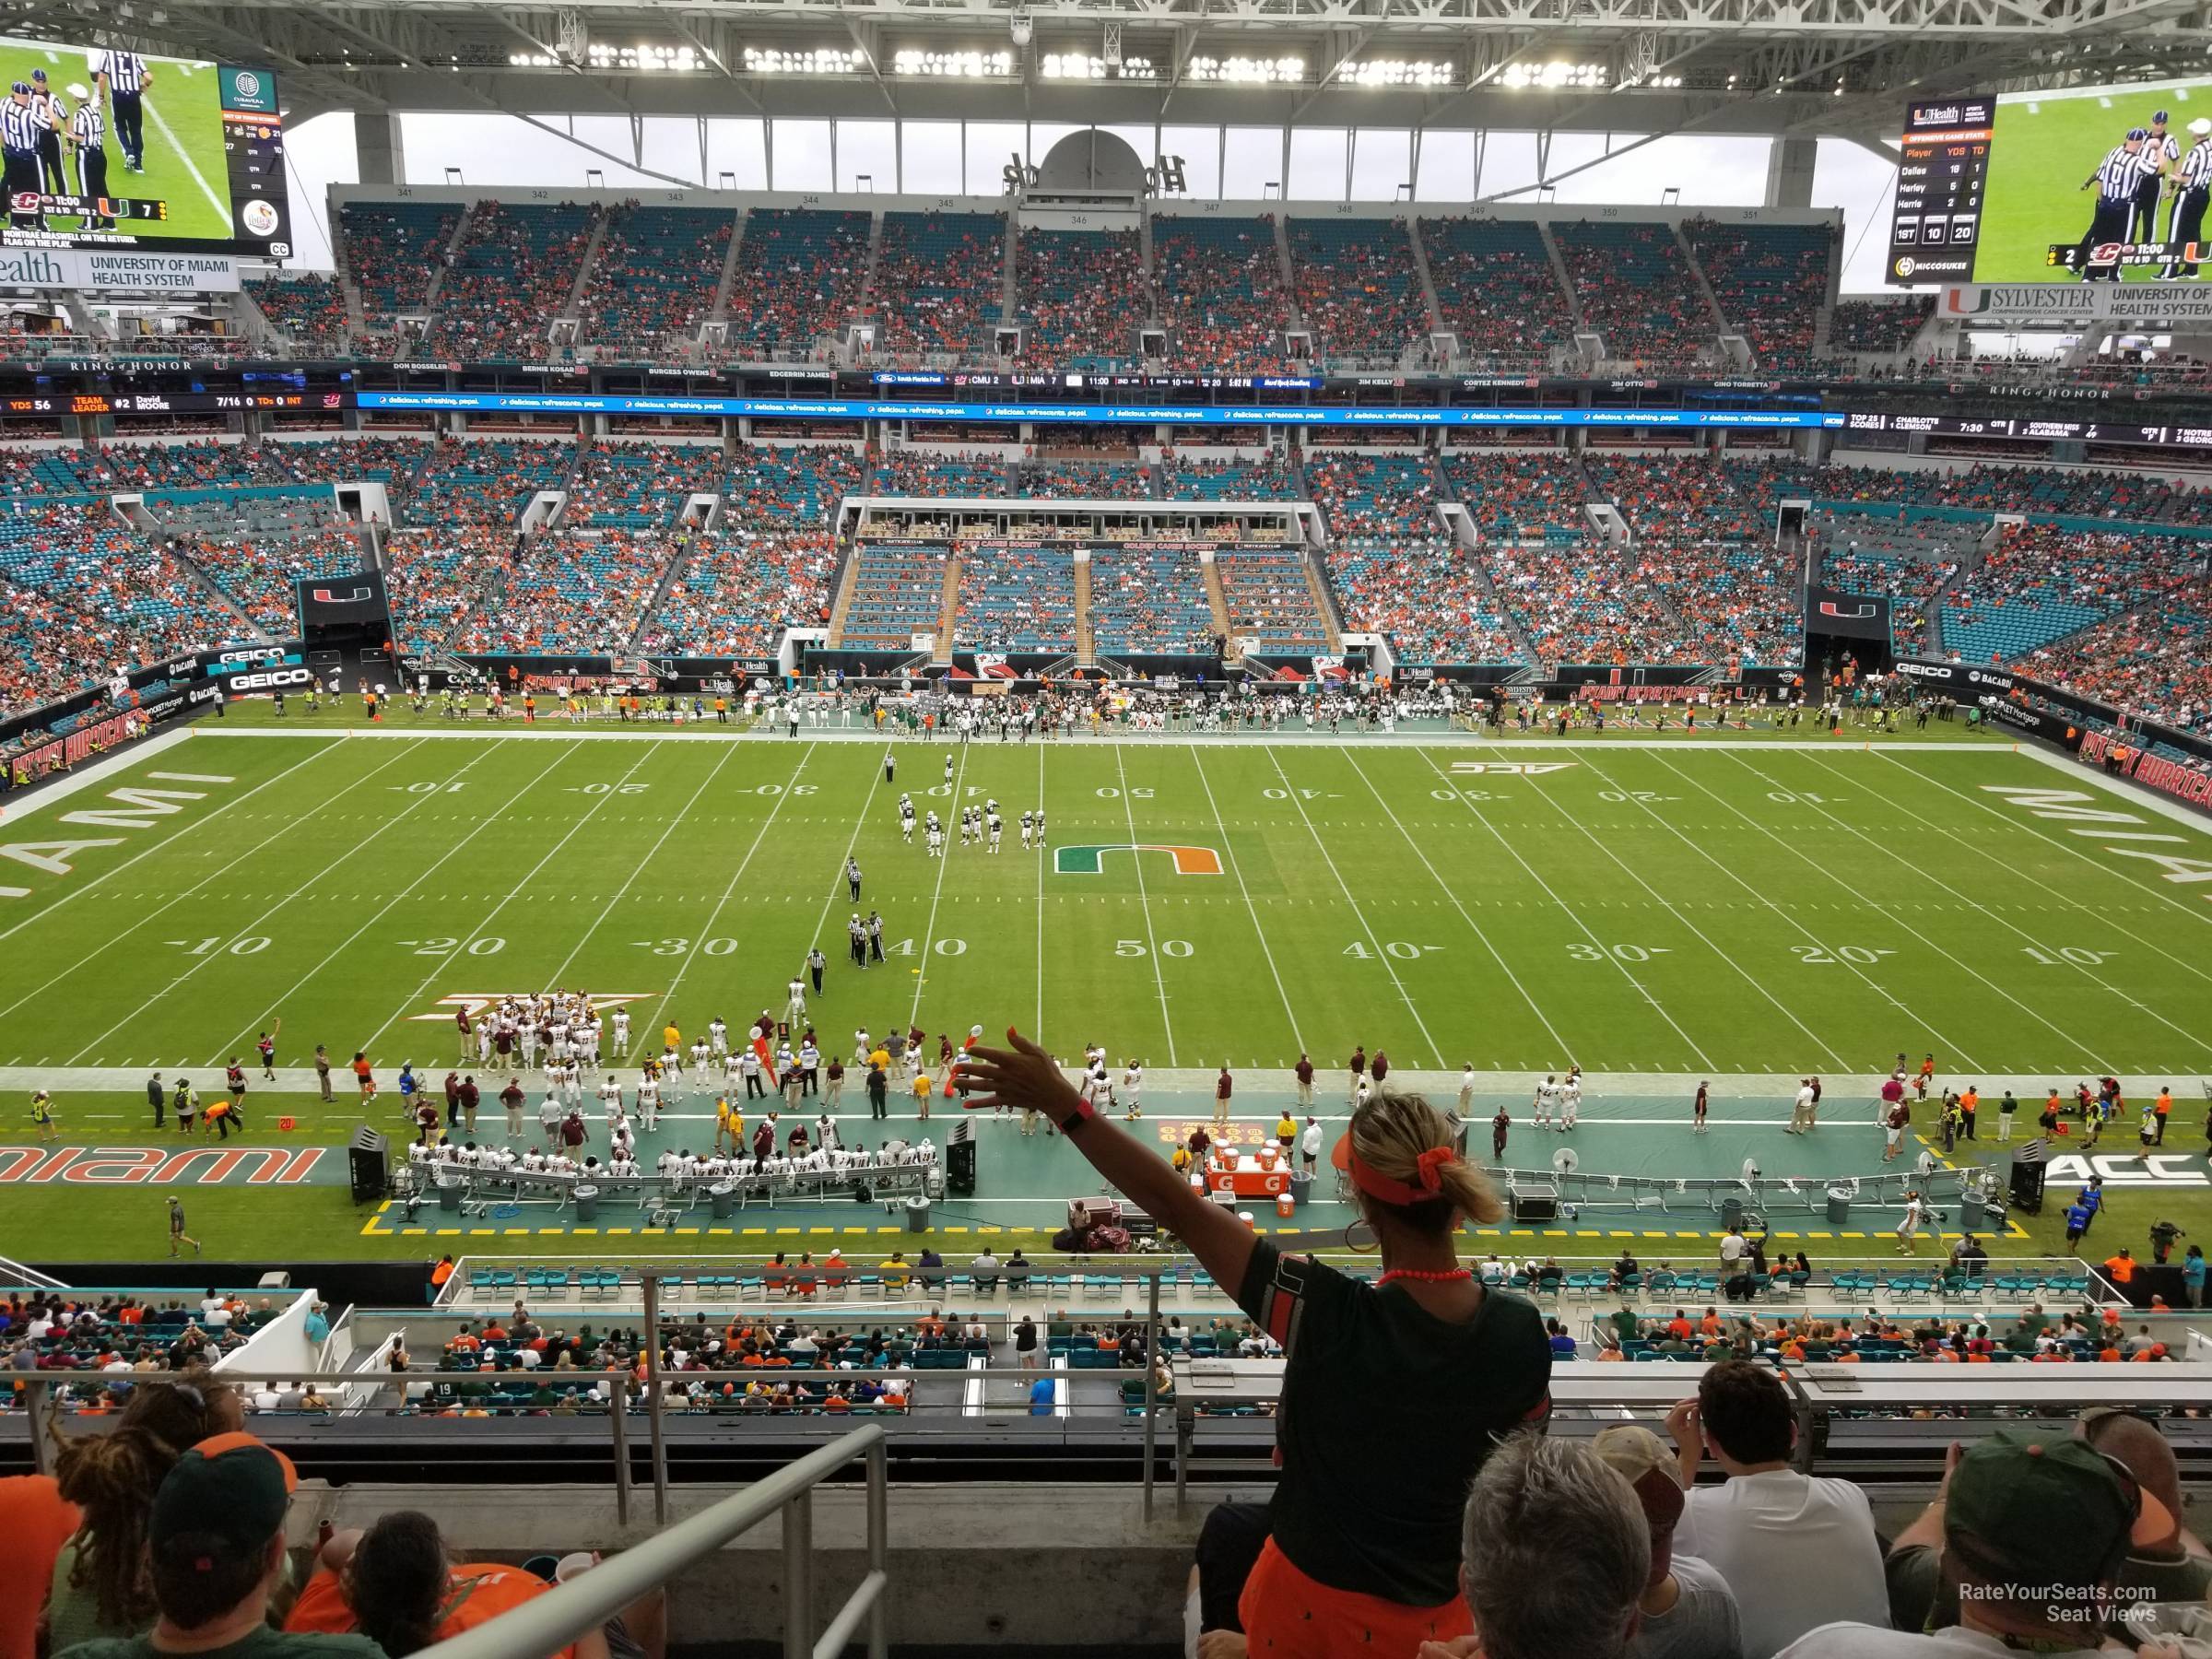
(258, 654)
(272, 680)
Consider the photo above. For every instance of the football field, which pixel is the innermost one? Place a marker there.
(1653, 908)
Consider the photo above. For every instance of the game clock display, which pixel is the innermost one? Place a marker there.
(114, 151)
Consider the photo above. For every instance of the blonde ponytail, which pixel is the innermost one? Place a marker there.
(1391, 1133)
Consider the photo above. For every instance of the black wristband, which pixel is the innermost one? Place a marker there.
(1083, 1113)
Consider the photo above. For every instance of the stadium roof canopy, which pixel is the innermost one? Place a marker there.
(1646, 66)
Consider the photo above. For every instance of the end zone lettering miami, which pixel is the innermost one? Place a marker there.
(138, 1166)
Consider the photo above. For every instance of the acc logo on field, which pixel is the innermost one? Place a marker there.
(1511, 769)
(2128, 1169)
(477, 1002)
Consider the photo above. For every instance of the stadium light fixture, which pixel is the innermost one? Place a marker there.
(813, 60)
(1553, 77)
(1082, 65)
(953, 65)
(1247, 71)
(1396, 72)
(646, 58)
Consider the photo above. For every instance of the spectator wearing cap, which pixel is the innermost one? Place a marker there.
(1556, 1556)
(215, 1550)
(2032, 1531)
(2164, 1563)
(1687, 1610)
(1364, 1548)
(1798, 1551)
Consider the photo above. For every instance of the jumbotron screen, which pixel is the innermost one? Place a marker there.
(2087, 184)
(117, 149)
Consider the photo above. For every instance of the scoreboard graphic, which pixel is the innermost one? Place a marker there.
(1941, 176)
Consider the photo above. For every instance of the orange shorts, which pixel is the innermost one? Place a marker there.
(1286, 1614)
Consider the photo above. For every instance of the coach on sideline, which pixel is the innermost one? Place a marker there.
(1364, 1550)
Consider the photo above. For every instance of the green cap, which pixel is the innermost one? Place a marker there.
(226, 1496)
(2040, 1510)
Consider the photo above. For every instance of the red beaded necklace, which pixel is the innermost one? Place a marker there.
(1441, 1275)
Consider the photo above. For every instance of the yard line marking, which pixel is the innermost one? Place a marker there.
(398, 817)
(1881, 990)
(1571, 914)
(1251, 908)
(699, 940)
(2103, 1064)
(1151, 943)
(2069, 847)
(184, 829)
(606, 910)
(1453, 899)
(1290, 793)
(1741, 972)
(376, 916)
(2018, 932)
(523, 886)
(837, 874)
(222, 208)
(929, 928)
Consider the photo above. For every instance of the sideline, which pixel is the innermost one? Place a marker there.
(2127, 789)
(48, 791)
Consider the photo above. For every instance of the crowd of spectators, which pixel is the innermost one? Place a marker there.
(486, 480)
(393, 251)
(940, 281)
(915, 473)
(1637, 291)
(1084, 481)
(567, 591)
(641, 486)
(82, 566)
(800, 271)
(1496, 290)
(1910, 582)
(2153, 662)
(1225, 477)
(2042, 582)
(1219, 284)
(1516, 493)
(1396, 570)
(510, 278)
(1357, 288)
(797, 484)
(734, 594)
(309, 308)
(194, 465)
(896, 591)
(1683, 496)
(435, 575)
(1769, 282)
(654, 281)
(257, 572)
(1877, 327)
(1084, 297)
(1150, 597)
(1015, 595)
(1269, 600)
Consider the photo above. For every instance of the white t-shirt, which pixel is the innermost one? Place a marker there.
(1799, 1551)
(1856, 1641)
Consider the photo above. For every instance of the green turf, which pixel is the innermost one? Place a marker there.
(2042, 148)
(183, 132)
(1637, 909)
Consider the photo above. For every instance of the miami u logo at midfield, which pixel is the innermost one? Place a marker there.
(1090, 860)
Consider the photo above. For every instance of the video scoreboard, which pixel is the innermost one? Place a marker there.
(1941, 177)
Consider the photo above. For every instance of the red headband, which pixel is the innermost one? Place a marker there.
(1429, 1175)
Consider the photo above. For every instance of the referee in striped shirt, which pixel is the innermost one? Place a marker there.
(2114, 182)
(123, 78)
(19, 151)
(2194, 181)
(2162, 150)
(88, 138)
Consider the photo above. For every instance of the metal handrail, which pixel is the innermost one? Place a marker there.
(549, 1622)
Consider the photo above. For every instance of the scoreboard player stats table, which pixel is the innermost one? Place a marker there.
(1941, 177)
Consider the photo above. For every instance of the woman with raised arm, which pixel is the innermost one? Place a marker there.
(1394, 1393)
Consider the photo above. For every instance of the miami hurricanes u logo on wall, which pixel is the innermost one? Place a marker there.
(1088, 861)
